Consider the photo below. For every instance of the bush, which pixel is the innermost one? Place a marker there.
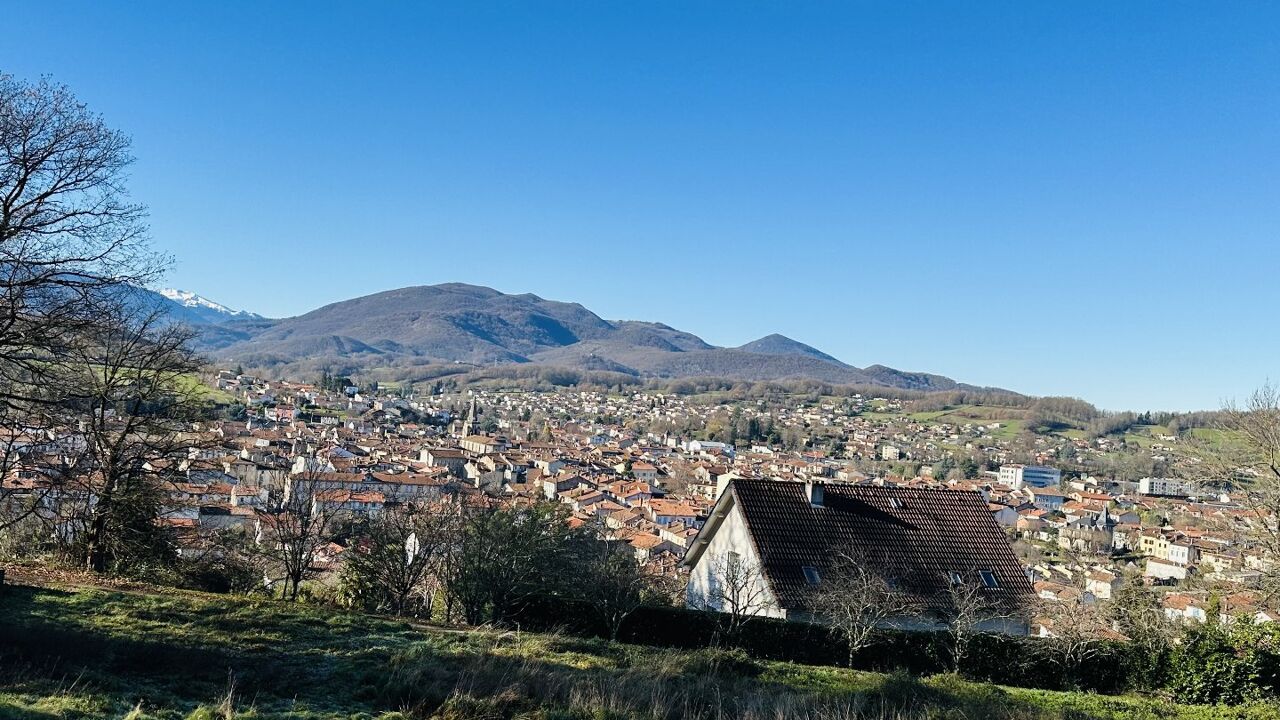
(721, 662)
(217, 575)
(1225, 665)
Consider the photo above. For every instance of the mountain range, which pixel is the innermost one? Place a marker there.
(469, 324)
(208, 310)
(187, 307)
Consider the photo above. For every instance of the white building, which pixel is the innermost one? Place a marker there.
(1036, 476)
(1167, 486)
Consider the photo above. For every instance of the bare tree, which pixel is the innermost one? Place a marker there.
(71, 242)
(738, 589)
(133, 396)
(29, 465)
(1251, 458)
(969, 605)
(1078, 629)
(617, 584)
(399, 555)
(1137, 613)
(856, 599)
(294, 526)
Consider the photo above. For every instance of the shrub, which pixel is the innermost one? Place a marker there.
(1231, 665)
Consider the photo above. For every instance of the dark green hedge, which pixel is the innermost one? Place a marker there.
(1008, 660)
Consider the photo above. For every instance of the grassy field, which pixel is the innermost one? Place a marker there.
(150, 653)
(1010, 419)
(200, 389)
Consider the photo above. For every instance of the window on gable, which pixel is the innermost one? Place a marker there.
(811, 575)
(988, 578)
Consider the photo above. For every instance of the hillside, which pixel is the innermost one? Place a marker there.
(479, 326)
(144, 652)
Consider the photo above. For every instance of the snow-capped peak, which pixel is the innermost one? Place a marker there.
(189, 299)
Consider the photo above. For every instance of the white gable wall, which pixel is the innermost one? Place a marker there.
(731, 536)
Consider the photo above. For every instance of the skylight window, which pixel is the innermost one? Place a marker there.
(988, 578)
(956, 579)
(811, 575)
(895, 503)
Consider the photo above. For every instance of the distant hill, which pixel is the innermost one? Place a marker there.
(468, 324)
(776, 344)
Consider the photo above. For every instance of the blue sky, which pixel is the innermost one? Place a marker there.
(1069, 198)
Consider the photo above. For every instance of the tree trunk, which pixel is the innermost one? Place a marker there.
(96, 551)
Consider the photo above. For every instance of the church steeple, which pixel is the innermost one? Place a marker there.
(472, 424)
(1104, 517)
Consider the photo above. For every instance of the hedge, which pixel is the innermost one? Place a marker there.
(1004, 659)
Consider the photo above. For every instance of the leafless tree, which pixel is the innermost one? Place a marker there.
(133, 397)
(617, 584)
(1078, 629)
(28, 465)
(737, 589)
(969, 605)
(71, 242)
(1250, 458)
(856, 598)
(294, 527)
(399, 555)
(69, 236)
(1135, 611)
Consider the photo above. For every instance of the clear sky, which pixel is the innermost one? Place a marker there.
(1058, 198)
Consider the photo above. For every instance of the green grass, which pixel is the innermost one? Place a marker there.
(86, 653)
(1009, 429)
(204, 391)
(1010, 419)
(928, 416)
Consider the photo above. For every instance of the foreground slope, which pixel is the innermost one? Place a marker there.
(153, 653)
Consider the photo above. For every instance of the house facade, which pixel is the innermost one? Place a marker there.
(788, 534)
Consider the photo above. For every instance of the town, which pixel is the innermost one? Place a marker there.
(640, 467)
(639, 361)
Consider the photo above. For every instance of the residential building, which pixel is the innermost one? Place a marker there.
(1036, 476)
(921, 539)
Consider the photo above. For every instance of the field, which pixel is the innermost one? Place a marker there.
(1009, 418)
(142, 652)
(200, 389)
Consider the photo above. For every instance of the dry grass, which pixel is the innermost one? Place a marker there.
(187, 656)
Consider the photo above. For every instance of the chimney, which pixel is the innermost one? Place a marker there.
(813, 491)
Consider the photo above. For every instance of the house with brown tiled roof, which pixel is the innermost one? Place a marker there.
(644, 472)
(920, 539)
(665, 512)
(1185, 607)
